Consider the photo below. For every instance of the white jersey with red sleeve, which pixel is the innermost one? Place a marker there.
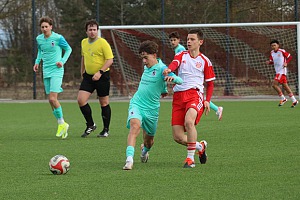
(193, 71)
(278, 58)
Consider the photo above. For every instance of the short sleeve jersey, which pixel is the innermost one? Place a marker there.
(95, 54)
(278, 58)
(50, 51)
(151, 86)
(193, 71)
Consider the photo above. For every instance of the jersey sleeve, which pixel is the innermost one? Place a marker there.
(271, 62)
(39, 54)
(209, 74)
(287, 56)
(177, 79)
(65, 46)
(107, 50)
(176, 61)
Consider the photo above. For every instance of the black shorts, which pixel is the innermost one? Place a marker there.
(102, 86)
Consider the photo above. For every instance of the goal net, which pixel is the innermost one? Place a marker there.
(238, 53)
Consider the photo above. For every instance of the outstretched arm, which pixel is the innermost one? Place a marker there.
(173, 78)
(209, 92)
(170, 76)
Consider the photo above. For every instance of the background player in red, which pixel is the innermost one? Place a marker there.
(280, 58)
(188, 101)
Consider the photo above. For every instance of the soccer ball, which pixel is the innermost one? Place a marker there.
(59, 164)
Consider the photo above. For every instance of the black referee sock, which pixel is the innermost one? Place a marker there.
(87, 113)
(106, 115)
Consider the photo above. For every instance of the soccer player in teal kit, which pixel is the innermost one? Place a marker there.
(144, 106)
(50, 46)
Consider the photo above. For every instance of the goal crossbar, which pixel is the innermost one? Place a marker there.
(223, 25)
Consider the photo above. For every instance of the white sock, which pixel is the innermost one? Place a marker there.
(198, 146)
(191, 154)
(129, 159)
(293, 98)
(61, 121)
(282, 97)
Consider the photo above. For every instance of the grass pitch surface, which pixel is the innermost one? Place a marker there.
(253, 153)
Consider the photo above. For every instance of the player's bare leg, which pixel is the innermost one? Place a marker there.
(276, 87)
(62, 129)
(178, 135)
(135, 126)
(146, 146)
(291, 95)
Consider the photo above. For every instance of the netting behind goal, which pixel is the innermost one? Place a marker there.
(238, 55)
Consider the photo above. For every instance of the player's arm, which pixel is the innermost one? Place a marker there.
(82, 66)
(209, 77)
(270, 61)
(65, 46)
(288, 58)
(107, 64)
(39, 56)
(37, 60)
(108, 55)
(164, 91)
(171, 77)
(209, 92)
(173, 66)
(104, 67)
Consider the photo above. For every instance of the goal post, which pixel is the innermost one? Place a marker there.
(238, 52)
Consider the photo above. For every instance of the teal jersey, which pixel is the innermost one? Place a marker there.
(151, 86)
(50, 51)
(179, 48)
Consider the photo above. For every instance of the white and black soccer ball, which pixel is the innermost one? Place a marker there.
(59, 164)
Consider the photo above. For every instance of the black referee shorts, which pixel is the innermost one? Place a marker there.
(102, 86)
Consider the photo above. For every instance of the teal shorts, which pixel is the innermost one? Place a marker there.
(53, 84)
(148, 118)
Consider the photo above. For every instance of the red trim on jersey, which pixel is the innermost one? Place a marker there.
(176, 61)
(173, 65)
(288, 59)
(209, 74)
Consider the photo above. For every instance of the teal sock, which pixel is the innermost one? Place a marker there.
(130, 151)
(54, 113)
(213, 106)
(145, 150)
(58, 112)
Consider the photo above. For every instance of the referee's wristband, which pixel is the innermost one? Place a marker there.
(101, 71)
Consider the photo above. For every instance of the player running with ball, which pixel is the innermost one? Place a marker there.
(144, 106)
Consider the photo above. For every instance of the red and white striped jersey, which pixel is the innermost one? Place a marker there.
(193, 71)
(278, 58)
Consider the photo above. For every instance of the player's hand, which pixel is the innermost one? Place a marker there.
(35, 67)
(166, 71)
(59, 64)
(169, 78)
(163, 95)
(96, 76)
(206, 107)
(285, 64)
